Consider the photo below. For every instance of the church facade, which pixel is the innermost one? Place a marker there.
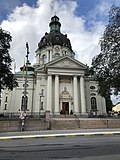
(56, 82)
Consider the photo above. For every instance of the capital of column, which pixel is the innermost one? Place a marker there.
(49, 75)
(56, 79)
(75, 76)
(57, 75)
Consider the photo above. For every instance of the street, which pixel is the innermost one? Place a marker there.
(71, 148)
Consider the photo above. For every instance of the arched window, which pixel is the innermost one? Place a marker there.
(24, 103)
(93, 104)
(44, 59)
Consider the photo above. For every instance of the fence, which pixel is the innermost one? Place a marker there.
(41, 115)
(16, 115)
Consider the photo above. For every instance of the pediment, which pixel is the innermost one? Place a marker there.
(40, 68)
(67, 62)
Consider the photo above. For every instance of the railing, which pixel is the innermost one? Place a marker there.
(16, 115)
(40, 115)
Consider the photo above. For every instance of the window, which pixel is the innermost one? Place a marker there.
(48, 55)
(44, 59)
(41, 106)
(42, 91)
(93, 104)
(6, 99)
(24, 103)
(44, 40)
(92, 87)
(5, 107)
(57, 38)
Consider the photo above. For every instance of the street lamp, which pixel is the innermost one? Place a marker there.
(23, 114)
(25, 87)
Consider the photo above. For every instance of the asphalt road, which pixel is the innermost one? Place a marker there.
(62, 148)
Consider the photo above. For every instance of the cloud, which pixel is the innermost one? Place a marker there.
(115, 99)
(28, 24)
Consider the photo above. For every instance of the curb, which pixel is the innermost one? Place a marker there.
(59, 135)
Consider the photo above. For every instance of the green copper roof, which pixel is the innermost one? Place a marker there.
(23, 73)
(55, 25)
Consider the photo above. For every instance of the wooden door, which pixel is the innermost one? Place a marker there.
(65, 107)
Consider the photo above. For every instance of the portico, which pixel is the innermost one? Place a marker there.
(65, 97)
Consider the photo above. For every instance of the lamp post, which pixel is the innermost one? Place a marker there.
(23, 114)
(25, 89)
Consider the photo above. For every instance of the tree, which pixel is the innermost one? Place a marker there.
(6, 76)
(106, 65)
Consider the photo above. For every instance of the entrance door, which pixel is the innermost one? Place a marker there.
(65, 107)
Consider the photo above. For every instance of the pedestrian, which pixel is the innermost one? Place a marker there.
(22, 117)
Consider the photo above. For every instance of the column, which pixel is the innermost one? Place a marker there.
(37, 96)
(13, 101)
(57, 110)
(75, 91)
(82, 92)
(49, 93)
(50, 55)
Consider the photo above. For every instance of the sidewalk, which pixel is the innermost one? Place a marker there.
(58, 133)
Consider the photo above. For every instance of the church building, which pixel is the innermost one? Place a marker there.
(56, 82)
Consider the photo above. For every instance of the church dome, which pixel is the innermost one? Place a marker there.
(55, 37)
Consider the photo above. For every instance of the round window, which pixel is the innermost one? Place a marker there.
(92, 87)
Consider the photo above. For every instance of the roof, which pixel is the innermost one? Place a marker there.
(22, 73)
(55, 37)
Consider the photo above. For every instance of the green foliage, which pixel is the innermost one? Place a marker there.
(88, 71)
(109, 105)
(6, 77)
(106, 65)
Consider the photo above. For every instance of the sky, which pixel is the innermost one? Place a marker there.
(83, 21)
